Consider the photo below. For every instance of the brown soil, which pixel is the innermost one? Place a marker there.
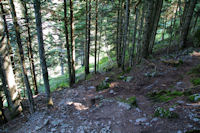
(82, 109)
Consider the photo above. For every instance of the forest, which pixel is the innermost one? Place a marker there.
(99, 66)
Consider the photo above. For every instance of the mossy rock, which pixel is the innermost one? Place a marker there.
(194, 98)
(174, 63)
(132, 101)
(102, 86)
(195, 81)
(163, 113)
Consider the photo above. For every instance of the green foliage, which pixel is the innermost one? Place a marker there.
(197, 37)
(195, 81)
(89, 76)
(164, 96)
(163, 113)
(132, 101)
(194, 98)
(193, 131)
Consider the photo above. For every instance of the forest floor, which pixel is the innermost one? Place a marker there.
(161, 88)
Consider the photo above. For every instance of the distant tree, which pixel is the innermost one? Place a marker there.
(42, 51)
(96, 37)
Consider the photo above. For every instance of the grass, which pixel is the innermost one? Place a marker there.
(164, 96)
(132, 101)
(195, 70)
(195, 81)
(163, 113)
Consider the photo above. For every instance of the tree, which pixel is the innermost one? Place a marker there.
(72, 42)
(67, 44)
(21, 53)
(29, 46)
(125, 34)
(96, 37)
(187, 16)
(42, 51)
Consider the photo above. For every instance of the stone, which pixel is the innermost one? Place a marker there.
(180, 102)
(53, 129)
(129, 78)
(111, 92)
(124, 105)
(154, 119)
(138, 110)
(179, 131)
(140, 120)
(91, 87)
(171, 109)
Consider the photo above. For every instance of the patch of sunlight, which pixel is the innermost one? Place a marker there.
(78, 106)
(195, 53)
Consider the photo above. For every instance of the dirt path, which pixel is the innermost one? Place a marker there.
(84, 110)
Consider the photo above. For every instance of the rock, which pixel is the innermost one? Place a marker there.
(154, 119)
(56, 122)
(53, 129)
(107, 79)
(111, 92)
(128, 79)
(138, 110)
(91, 87)
(171, 109)
(180, 102)
(37, 128)
(46, 121)
(179, 131)
(141, 120)
(124, 105)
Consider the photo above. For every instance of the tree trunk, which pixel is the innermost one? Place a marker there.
(42, 51)
(125, 35)
(186, 24)
(158, 8)
(96, 37)
(134, 38)
(72, 42)
(21, 52)
(118, 32)
(87, 71)
(67, 44)
(147, 28)
(30, 51)
(120, 35)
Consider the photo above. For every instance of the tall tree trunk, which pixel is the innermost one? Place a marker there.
(186, 24)
(72, 42)
(134, 38)
(158, 8)
(96, 37)
(8, 39)
(87, 71)
(67, 44)
(118, 32)
(147, 28)
(30, 51)
(21, 52)
(125, 35)
(42, 51)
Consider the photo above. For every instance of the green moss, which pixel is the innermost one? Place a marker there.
(194, 98)
(164, 96)
(132, 101)
(195, 81)
(163, 113)
(89, 76)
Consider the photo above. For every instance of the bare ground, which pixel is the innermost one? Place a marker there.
(82, 109)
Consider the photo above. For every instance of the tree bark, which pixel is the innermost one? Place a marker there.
(158, 8)
(30, 51)
(21, 52)
(186, 23)
(134, 38)
(125, 34)
(67, 44)
(72, 42)
(42, 51)
(96, 37)
(147, 28)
